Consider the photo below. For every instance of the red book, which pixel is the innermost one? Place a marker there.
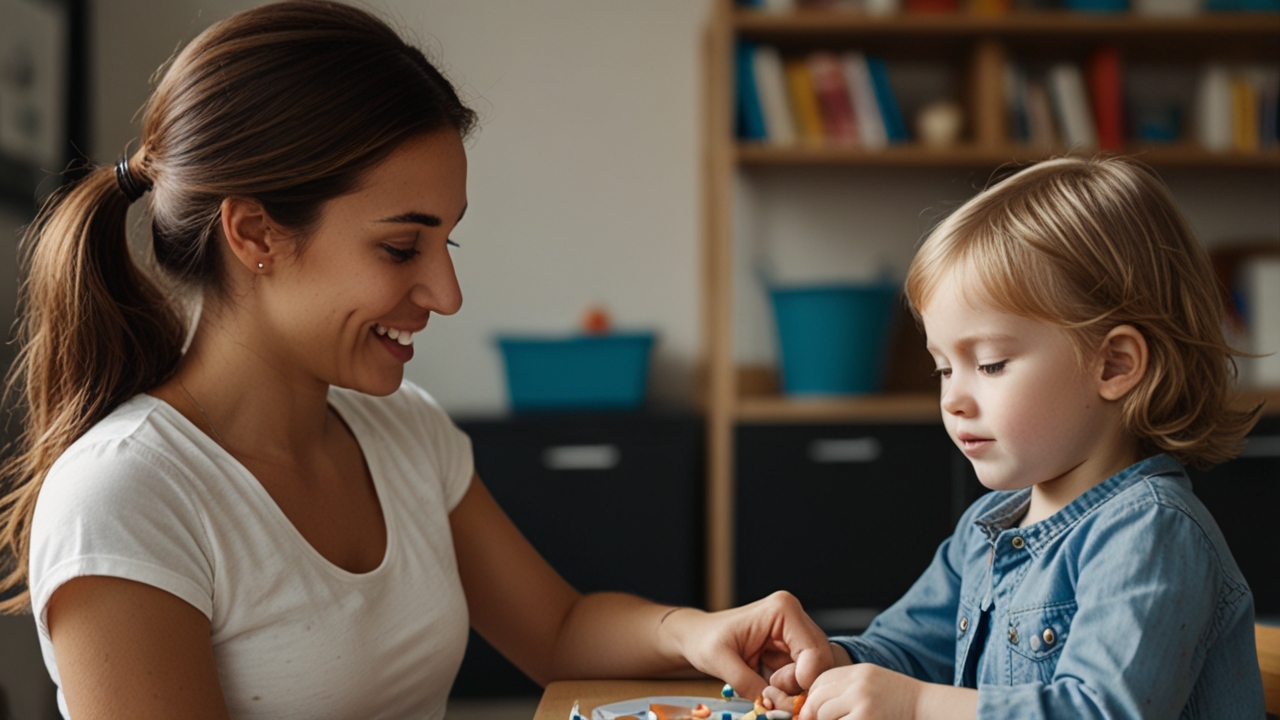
(926, 7)
(1106, 93)
(829, 85)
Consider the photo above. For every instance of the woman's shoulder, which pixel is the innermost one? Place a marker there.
(143, 432)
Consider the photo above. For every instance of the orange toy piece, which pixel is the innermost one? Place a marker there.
(702, 712)
(595, 321)
(797, 702)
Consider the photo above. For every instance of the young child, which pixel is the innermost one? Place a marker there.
(1077, 330)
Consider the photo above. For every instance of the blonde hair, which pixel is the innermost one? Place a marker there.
(1088, 245)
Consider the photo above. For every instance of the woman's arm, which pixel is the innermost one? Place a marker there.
(550, 631)
(129, 650)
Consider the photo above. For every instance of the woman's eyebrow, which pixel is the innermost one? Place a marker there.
(414, 217)
(421, 218)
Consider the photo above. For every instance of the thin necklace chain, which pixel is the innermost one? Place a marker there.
(203, 414)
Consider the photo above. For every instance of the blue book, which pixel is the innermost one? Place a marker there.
(894, 125)
(750, 115)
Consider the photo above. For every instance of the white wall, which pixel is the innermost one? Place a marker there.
(584, 178)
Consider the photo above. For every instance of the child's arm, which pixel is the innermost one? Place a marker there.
(870, 692)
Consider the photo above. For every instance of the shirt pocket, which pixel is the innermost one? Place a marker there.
(1036, 637)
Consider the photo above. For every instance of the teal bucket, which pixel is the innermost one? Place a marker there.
(583, 372)
(833, 338)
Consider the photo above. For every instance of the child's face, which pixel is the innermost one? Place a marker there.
(1014, 398)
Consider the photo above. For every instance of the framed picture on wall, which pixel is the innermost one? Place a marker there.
(39, 85)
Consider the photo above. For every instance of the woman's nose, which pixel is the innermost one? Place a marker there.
(437, 288)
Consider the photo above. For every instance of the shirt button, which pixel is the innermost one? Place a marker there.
(964, 624)
(1017, 542)
(1013, 635)
(1048, 636)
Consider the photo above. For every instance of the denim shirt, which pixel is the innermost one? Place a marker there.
(1124, 604)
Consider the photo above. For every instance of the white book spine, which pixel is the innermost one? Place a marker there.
(871, 130)
(772, 89)
(1213, 108)
(1261, 281)
(1075, 117)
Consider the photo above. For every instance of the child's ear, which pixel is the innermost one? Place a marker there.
(1123, 358)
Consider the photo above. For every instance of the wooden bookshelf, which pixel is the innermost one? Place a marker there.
(977, 47)
(973, 155)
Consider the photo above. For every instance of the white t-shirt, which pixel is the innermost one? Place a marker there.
(147, 496)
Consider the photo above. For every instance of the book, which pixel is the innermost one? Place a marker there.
(1071, 106)
(1269, 99)
(1265, 83)
(771, 87)
(894, 126)
(1042, 132)
(750, 117)
(1259, 292)
(1244, 115)
(862, 92)
(804, 102)
(1213, 108)
(838, 123)
(1107, 95)
(1015, 102)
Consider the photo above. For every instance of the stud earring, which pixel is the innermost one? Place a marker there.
(261, 266)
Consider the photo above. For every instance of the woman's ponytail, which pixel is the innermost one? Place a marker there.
(94, 330)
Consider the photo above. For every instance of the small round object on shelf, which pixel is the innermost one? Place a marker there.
(940, 123)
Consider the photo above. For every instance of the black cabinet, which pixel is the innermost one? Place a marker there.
(846, 517)
(1243, 495)
(613, 501)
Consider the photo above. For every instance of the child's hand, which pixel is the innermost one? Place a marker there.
(862, 692)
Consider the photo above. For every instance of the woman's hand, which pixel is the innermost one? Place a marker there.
(743, 646)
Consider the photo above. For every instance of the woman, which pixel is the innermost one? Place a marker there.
(272, 523)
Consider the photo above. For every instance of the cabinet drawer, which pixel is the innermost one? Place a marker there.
(846, 517)
(612, 501)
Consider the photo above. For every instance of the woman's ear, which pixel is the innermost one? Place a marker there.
(1123, 356)
(247, 228)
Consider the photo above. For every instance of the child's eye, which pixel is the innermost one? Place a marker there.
(400, 255)
(942, 373)
(992, 368)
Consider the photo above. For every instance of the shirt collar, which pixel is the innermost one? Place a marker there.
(1006, 513)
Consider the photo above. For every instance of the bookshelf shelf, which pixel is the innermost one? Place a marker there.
(975, 51)
(903, 407)
(1183, 156)
(757, 25)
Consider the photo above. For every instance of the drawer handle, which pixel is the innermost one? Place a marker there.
(844, 619)
(845, 450)
(581, 457)
(1262, 446)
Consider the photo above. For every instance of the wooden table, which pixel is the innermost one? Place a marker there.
(558, 698)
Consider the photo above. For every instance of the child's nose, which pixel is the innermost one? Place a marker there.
(956, 399)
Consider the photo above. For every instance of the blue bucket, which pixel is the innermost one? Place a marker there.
(833, 338)
(584, 372)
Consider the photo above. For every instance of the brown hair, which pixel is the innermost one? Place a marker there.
(1088, 245)
(288, 104)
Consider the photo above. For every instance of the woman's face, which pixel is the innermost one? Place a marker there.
(377, 265)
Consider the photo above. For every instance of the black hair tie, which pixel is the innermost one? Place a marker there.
(129, 185)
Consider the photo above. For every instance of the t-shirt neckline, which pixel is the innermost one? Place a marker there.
(370, 461)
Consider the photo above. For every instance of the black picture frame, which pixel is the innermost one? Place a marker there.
(42, 73)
